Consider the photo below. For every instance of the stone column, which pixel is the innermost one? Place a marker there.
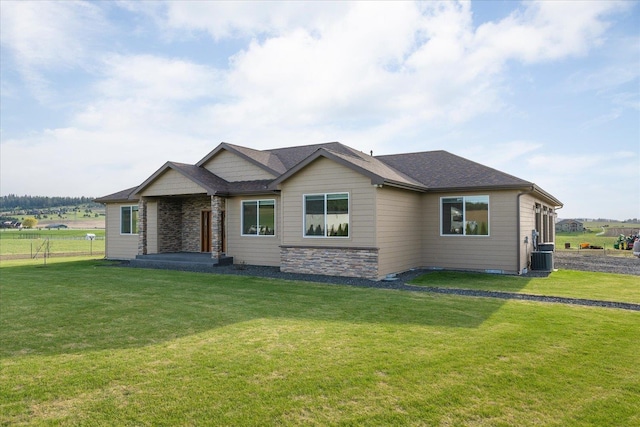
(142, 226)
(216, 226)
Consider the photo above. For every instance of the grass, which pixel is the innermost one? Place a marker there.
(574, 239)
(563, 283)
(27, 242)
(53, 233)
(84, 343)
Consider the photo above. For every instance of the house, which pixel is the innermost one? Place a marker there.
(330, 209)
(569, 225)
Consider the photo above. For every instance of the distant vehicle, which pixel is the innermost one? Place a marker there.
(56, 226)
(636, 248)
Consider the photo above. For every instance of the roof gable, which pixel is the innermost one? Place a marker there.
(262, 159)
(369, 166)
(208, 182)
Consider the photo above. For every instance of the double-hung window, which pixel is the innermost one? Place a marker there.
(464, 215)
(258, 217)
(326, 215)
(129, 219)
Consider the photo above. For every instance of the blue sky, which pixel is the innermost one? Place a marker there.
(96, 96)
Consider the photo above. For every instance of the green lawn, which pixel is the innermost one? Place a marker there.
(563, 283)
(85, 343)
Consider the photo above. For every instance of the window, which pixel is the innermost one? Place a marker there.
(258, 217)
(326, 215)
(129, 219)
(465, 215)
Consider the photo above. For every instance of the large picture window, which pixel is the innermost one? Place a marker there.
(465, 215)
(258, 217)
(129, 219)
(326, 215)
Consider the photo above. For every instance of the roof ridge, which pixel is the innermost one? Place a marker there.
(302, 146)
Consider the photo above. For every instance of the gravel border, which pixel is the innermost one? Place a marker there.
(401, 281)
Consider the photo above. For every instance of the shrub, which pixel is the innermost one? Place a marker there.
(30, 222)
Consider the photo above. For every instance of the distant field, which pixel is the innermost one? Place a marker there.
(575, 239)
(598, 224)
(26, 243)
(598, 233)
(79, 219)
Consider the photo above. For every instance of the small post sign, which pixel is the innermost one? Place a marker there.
(91, 237)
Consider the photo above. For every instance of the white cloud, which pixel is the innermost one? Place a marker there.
(250, 19)
(156, 78)
(69, 161)
(370, 74)
(542, 31)
(48, 35)
(382, 60)
(503, 156)
(601, 184)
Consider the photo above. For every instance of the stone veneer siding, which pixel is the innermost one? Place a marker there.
(169, 225)
(142, 226)
(330, 261)
(217, 205)
(191, 210)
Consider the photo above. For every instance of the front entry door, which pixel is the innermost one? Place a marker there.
(205, 231)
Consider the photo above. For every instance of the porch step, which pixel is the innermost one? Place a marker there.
(184, 261)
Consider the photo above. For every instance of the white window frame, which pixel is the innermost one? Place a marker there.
(464, 221)
(242, 202)
(130, 207)
(325, 228)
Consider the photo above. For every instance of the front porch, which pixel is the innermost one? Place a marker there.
(183, 261)
(184, 224)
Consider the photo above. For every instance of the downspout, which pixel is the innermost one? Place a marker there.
(519, 236)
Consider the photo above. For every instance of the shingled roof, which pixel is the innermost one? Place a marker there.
(439, 170)
(422, 171)
(291, 156)
(121, 196)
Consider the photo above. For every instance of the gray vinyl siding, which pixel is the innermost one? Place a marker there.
(172, 183)
(252, 250)
(494, 252)
(399, 228)
(119, 246)
(327, 176)
(231, 167)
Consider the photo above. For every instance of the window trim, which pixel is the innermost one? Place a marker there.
(130, 207)
(463, 234)
(275, 222)
(325, 228)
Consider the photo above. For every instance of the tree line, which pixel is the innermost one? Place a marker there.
(13, 201)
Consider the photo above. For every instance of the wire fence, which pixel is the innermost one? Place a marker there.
(24, 248)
